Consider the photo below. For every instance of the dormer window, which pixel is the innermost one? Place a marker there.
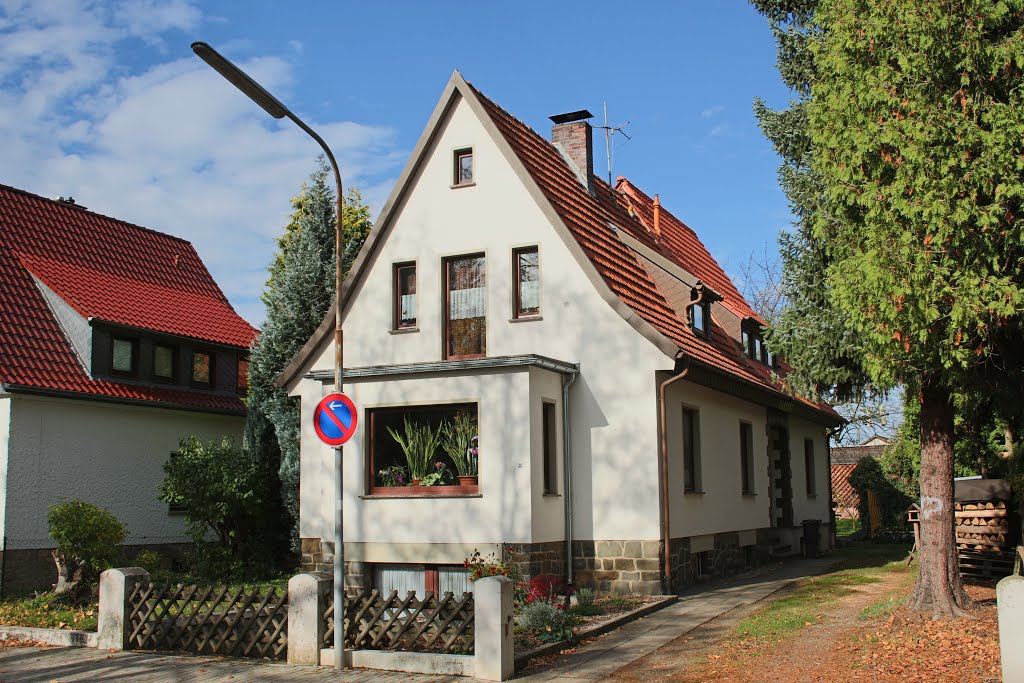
(463, 167)
(163, 362)
(242, 376)
(124, 356)
(700, 316)
(753, 345)
(202, 369)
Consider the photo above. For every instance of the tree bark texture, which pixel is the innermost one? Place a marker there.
(69, 573)
(939, 589)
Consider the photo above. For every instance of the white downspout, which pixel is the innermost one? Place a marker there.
(567, 473)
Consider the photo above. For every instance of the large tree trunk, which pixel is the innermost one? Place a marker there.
(939, 589)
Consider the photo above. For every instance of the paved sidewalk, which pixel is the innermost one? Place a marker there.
(625, 645)
(588, 663)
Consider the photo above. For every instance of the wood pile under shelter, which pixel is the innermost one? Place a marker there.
(986, 527)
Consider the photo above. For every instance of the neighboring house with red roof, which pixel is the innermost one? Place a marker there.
(115, 343)
(844, 460)
(633, 431)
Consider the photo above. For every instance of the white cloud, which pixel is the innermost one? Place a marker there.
(712, 111)
(171, 146)
(719, 130)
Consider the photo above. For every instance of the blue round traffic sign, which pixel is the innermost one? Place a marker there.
(335, 419)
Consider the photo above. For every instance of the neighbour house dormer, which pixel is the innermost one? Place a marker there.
(102, 309)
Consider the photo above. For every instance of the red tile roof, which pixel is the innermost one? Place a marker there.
(588, 217)
(109, 270)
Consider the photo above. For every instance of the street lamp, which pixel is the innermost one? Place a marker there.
(270, 104)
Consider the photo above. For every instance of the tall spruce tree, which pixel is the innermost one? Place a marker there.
(916, 128)
(297, 296)
(902, 161)
(808, 330)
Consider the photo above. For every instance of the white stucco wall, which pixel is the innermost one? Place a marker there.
(612, 404)
(721, 506)
(103, 453)
(819, 505)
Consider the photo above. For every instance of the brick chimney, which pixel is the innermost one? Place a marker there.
(573, 136)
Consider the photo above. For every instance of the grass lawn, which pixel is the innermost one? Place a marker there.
(40, 612)
(847, 527)
(803, 605)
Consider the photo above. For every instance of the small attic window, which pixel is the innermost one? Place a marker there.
(463, 167)
(700, 316)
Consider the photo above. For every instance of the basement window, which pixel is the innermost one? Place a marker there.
(421, 579)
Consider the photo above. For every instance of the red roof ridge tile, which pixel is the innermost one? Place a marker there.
(79, 207)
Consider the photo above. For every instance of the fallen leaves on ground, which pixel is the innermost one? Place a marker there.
(913, 647)
(901, 647)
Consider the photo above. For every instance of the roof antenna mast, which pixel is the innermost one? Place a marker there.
(609, 131)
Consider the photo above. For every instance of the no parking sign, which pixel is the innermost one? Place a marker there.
(335, 419)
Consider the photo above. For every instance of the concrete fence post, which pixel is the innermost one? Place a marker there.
(307, 602)
(494, 652)
(1010, 606)
(116, 586)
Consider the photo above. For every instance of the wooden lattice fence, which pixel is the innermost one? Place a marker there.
(377, 622)
(209, 620)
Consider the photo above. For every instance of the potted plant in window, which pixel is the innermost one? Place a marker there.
(419, 442)
(461, 443)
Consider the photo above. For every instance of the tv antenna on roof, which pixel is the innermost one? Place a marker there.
(609, 131)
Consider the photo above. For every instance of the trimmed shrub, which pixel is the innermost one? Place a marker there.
(88, 539)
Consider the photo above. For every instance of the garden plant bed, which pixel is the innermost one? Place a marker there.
(618, 610)
(43, 611)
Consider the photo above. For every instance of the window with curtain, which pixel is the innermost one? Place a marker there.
(527, 266)
(405, 296)
(466, 293)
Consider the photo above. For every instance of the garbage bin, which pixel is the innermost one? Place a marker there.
(811, 537)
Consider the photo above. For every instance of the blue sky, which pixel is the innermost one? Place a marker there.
(105, 101)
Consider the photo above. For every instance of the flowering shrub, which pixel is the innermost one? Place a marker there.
(547, 588)
(480, 566)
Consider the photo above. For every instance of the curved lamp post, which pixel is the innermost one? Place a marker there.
(270, 104)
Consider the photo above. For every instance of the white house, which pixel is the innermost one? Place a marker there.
(632, 434)
(115, 343)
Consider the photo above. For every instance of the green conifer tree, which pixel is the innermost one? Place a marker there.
(298, 294)
(915, 125)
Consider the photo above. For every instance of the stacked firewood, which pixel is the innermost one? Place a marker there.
(983, 538)
(982, 526)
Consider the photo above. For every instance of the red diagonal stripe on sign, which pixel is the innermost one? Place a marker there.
(334, 418)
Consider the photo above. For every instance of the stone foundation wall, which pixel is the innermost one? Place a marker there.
(318, 556)
(725, 559)
(33, 569)
(534, 559)
(619, 566)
